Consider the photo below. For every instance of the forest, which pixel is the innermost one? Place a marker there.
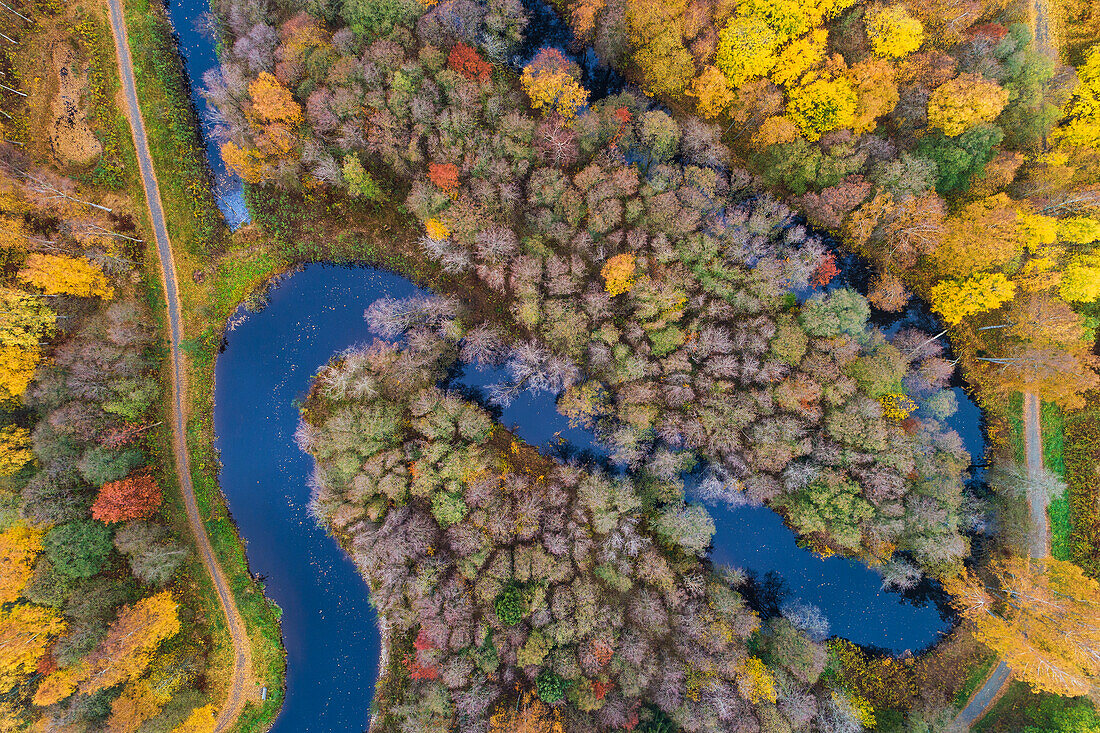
(691, 236)
(90, 623)
(662, 259)
(513, 571)
(102, 620)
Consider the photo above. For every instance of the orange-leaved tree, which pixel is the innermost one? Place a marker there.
(135, 497)
(712, 92)
(618, 274)
(140, 701)
(1041, 616)
(58, 685)
(444, 175)
(466, 61)
(273, 102)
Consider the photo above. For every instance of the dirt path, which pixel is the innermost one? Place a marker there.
(1038, 545)
(242, 650)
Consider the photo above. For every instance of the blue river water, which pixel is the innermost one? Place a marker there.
(328, 625)
(190, 20)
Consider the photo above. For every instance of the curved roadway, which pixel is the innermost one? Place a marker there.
(242, 650)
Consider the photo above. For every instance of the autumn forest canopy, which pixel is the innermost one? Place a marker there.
(656, 259)
(717, 269)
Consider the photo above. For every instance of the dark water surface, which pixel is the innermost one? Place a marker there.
(197, 47)
(328, 625)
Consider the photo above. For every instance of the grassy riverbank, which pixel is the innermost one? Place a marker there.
(196, 229)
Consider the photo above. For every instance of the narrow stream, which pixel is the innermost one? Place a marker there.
(190, 19)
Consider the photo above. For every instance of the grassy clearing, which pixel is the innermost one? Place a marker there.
(1082, 473)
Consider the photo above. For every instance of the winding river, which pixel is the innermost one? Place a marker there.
(328, 625)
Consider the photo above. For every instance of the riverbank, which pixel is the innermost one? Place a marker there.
(194, 226)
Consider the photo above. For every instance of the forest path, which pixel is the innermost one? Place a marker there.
(1041, 29)
(242, 649)
(1038, 541)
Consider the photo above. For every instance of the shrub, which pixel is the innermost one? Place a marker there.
(78, 549)
(102, 465)
(511, 604)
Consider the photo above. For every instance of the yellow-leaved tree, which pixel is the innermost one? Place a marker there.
(63, 275)
(1082, 126)
(131, 640)
(747, 49)
(25, 632)
(15, 449)
(27, 321)
(967, 100)
(19, 546)
(201, 720)
(1081, 279)
(755, 682)
(821, 106)
(892, 31)
(551, 84)
(1041, 616)
(957, 299)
